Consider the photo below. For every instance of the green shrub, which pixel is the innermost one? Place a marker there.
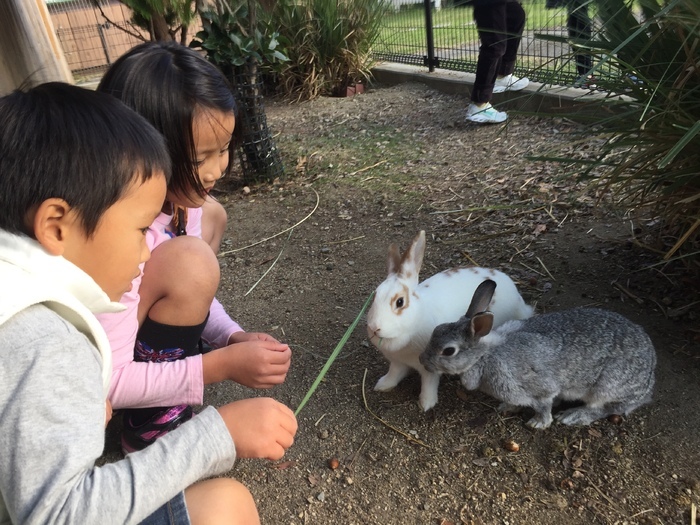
(329, 44)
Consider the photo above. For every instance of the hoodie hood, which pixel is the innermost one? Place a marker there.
(29, 276)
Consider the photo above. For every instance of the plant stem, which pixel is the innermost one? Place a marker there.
(333, 355)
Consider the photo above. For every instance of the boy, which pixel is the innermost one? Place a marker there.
(81, 179)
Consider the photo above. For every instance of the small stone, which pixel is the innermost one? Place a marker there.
(323, 434)
(246, 190)
(511, 446)
(321, 496)
(349, 480)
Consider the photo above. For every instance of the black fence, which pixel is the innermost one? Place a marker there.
(445, 36)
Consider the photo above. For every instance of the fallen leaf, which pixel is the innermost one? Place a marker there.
(594, 433)
(283, 465)
(539, 229)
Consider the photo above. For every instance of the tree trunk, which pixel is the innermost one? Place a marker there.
(160, 29)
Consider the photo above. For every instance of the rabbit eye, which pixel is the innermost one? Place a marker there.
(449, 351)
(399, 302)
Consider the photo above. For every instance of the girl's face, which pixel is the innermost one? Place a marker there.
(212, 131)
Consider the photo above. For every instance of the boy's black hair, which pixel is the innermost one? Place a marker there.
(166, 83)
(62, 141)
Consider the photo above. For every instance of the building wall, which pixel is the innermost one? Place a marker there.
(91, 40)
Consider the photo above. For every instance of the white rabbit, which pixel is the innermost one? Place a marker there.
(587, 354)
(405, 313)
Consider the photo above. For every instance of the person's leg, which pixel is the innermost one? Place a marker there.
(515, 24)
(177, 288)
(214, 222)
(491, 23)
(578, 25)
(179, 282)
(221, 501)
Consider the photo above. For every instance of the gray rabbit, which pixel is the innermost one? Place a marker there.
(586, 354)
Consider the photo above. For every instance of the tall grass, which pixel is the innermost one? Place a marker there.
(651, 135)
(329, 43)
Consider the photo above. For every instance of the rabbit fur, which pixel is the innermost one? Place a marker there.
(404, 313)
(584, 354)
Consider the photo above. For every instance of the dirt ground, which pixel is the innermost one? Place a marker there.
(376, 169)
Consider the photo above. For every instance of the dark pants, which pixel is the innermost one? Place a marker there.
(578, 25)
(500, 26)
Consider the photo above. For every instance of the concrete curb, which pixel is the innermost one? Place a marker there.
(539, 98)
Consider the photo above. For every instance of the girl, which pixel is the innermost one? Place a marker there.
(156, 346)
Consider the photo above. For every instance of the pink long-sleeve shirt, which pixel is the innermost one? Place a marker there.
(137, 384)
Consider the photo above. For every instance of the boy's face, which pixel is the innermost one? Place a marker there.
(114, 252)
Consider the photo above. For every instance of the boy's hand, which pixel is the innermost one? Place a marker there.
(260, 427)
(256, 363)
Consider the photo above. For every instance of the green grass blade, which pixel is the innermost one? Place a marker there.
(333, 355)
(682, 143)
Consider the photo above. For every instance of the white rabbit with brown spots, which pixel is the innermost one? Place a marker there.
(404, 313)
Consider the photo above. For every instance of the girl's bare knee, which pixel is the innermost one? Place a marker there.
(182, 275)
(221, 501)
(214, 222)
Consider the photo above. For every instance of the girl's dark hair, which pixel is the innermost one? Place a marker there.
(61, 141)
(166, 82)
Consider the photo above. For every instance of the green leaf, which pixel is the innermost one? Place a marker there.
(680, 145)
(333, 355)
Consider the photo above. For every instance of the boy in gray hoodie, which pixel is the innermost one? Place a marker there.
(81, 179)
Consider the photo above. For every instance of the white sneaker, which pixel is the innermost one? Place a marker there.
(510, 83)
(485, 115)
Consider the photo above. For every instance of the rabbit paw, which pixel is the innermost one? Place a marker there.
(427, 400)
(397, 371)
(540, 421)
(579, 416)
(385, 383)
(507, 408)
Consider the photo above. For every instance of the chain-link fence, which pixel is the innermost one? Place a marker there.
(94, 33)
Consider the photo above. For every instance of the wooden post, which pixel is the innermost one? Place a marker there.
(30, 53)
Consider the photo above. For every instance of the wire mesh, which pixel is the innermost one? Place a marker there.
(259, 156)
(94, 33)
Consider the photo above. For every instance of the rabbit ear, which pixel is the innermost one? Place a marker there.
(412, 259)
(482, 298)
(393, 261)
(480, 325)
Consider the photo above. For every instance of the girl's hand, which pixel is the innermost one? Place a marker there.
(242, 337)
(256, 363)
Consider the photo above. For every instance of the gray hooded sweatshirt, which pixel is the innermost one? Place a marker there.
(55, 364)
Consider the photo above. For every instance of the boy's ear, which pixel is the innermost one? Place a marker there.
(52, 221)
